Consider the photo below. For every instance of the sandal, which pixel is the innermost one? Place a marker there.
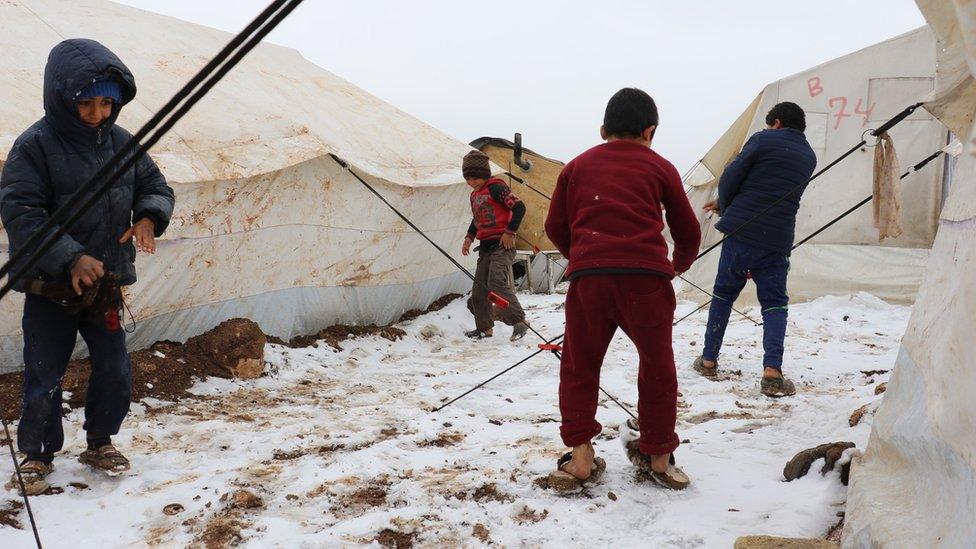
(562, 481)
(776, 387)
(699, 366)
(106, 458)
(673, 478)
(33, 473)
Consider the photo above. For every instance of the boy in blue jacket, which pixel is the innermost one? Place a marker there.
(85, 87)
(772, 164)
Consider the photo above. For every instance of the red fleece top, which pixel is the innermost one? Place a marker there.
(606, 212)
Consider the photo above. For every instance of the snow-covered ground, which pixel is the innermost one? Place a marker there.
(341, 446)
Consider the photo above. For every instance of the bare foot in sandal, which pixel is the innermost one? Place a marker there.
(581, 466)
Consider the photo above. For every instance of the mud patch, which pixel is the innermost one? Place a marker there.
(481, 532)
(222, 532)
(166, 369)
(437, 305)
(10, 513)
(395, 538)
(443, 440)
(333, 335)
(527, 515)
(484, 493)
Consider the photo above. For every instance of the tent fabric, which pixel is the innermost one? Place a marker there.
(915, 486)
(843, 99)
(267, 225)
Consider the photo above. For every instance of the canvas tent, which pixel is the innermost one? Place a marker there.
(842, 99)
(541, 175)
(916, 484)
(267, 225)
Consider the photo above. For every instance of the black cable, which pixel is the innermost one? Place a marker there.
(32, 260)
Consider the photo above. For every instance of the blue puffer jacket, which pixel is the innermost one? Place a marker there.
(772, 163)
(58, 154)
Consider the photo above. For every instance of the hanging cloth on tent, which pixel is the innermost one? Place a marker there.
(887, 189)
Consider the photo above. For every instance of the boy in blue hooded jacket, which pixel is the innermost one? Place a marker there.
(774, 163)
(85, 87)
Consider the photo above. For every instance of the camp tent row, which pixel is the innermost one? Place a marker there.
(842, 99)
(916, 484)
(267, 226)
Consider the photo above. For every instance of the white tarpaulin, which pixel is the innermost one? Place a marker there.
(916, 484)
(267, 225)
(842, 99)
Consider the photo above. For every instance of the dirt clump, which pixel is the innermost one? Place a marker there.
(437, 305)
(858, 415)
(443, 440)
(800, 464)
(222, 532)
(395, 538)
(166, 370)
(242, 499)
(528, 515)
(481, 532)
(490, 492)
(9, 514)
(333, 335)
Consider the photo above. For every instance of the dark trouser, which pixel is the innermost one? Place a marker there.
(769, 270)
(49, 337)
(643, 306)
(494, 273)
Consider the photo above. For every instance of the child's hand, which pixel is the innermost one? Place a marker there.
(711, 206)
(508, 241)
(144, 231)
(466, 247)
(85, 272)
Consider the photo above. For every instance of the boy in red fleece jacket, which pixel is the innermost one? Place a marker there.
(606, 217)
(496, 216)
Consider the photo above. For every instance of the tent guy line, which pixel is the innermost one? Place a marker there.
(547, 345)
(127, 155)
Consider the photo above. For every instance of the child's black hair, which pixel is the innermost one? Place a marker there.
(629, 112)
(790, 115)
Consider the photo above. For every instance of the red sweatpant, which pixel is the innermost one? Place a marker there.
(643, 306)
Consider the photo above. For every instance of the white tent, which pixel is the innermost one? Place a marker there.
(842, 99)
(916, 484)
(267, 225)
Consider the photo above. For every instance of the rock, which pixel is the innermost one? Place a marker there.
(235, 348)
(771, 542)
(882, 387)
(173, 509)
(800, 464)
(857, 415)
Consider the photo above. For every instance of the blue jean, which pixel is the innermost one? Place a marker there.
(768, 270)
(49, 338)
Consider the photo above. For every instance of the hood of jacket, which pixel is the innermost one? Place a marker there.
(71, 66)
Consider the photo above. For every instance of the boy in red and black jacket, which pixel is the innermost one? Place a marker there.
(497, 213)
(606, 217)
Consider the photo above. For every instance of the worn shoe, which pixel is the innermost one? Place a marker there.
(777, 387)
(519, 331)
(477, 334)
(699, 366)
(33, 472)
(106, 458)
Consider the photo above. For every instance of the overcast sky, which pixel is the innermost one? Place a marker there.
(546, 68)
